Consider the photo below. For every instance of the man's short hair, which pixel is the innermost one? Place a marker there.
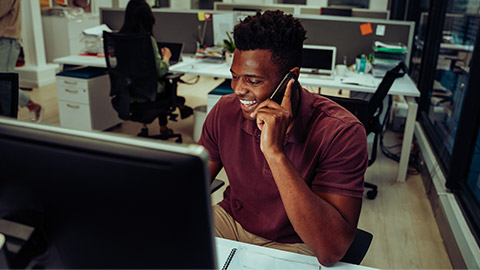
(280, 33)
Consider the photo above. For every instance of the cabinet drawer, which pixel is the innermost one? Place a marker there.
(73, 94)
(74, 115)
(71, 82)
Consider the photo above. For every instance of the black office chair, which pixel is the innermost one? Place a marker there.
(133, 74)
(359, 247)
(9, 94)
(369, 111)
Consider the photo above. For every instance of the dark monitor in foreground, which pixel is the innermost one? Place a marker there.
(105, 201)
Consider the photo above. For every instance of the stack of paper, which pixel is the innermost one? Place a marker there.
(386, 56)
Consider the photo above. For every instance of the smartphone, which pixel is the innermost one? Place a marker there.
(279, 92)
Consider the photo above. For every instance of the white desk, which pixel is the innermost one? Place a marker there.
(257, 257)
(402, 86)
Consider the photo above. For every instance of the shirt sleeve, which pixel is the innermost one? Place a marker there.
(162, 66)
(341, 169)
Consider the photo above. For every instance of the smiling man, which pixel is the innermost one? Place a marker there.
(296, 168)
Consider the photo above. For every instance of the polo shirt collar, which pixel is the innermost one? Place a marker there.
(298, 132)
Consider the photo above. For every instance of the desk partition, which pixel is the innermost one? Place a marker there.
(170, 25)
(342, 32)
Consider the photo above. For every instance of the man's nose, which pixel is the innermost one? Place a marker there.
(239, 88)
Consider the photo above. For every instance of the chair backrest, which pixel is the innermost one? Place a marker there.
(9, 94)
(359, 247)
(376, 100)
(131, 67)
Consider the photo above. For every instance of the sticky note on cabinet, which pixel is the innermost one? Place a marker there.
(366, 29)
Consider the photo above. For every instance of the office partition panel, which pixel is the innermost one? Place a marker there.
(345, 34)
(180, 26)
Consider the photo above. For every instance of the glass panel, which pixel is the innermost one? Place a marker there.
(473, 180)
(417, 50)
(452, 73)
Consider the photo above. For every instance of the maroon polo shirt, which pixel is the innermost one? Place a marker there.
(327, 145)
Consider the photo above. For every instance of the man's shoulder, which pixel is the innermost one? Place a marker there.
(331, 111)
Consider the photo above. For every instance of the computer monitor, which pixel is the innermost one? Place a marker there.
(106, 201)
(318, 59)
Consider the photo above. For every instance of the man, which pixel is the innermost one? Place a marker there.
(296, 168)
(10, 34)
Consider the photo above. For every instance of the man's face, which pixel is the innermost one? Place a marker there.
(254, 78)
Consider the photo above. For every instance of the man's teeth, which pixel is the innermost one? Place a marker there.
(248, 103)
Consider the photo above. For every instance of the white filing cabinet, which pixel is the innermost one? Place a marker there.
(63, 35)
(85, 103)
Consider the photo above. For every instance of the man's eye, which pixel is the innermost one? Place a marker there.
(254, 82)
(234, 77)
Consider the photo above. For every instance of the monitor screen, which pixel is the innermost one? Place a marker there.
(175, 48)
(106, 201)
(318, 59)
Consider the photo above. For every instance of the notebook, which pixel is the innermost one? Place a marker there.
(243, 258)
(318, 61)
(175, 48)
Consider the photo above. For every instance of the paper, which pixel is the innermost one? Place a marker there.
(380, 44)
(359, 81)
(222, 23)
(97, 30)
(366, 29)
(245, 259)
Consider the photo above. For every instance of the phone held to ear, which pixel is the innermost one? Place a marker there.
(279, 92)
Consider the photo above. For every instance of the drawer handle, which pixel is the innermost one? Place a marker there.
(72, 83)
(73, 106)
(71, 91)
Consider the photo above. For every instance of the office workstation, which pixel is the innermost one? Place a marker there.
(205, 75)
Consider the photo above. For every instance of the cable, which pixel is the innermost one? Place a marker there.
(190, 83)
(415, 161)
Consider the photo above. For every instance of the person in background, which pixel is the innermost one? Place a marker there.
(10, 34)
(139, 19)
(295, 168)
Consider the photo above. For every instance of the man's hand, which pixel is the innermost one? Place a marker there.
(274, 120)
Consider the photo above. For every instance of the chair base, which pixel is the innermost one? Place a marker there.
(371, 194)
(144, 133)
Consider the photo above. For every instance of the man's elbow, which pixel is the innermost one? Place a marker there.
(331, 257)
(333, 252)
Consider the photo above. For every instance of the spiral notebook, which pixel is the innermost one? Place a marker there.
(243, 258)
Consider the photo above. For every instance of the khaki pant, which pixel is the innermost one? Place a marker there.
(227, 227)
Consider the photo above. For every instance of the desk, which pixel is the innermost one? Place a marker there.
(258, 257)
(190, 65)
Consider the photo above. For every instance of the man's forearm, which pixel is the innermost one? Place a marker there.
(318, 223)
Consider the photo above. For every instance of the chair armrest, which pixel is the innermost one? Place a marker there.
(215, 185)
(173, 76)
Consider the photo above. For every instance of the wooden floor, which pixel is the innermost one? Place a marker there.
(400, 218)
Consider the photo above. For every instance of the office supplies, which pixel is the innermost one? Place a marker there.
(242, 256)
(103, 201)
(319, 61)
(175, 48)
(229, 259)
